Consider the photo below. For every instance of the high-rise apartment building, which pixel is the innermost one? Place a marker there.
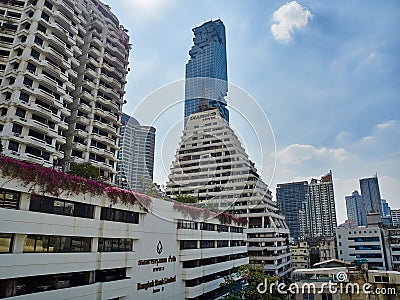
(212, 166)
(319, 211)
(62, 67)
(206, 70)
(371, 194)
(136, 155)
(289, 197)
(355, 209)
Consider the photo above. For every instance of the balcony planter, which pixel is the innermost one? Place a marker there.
(42, 180)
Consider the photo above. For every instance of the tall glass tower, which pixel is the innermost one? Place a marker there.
(206, 70)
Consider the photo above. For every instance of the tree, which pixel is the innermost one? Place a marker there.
(251, 278)
(85, 170)
(185, 198)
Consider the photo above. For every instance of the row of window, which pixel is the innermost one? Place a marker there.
(35, 243)
(38, 203)
(43, 283)
(212, 260)
(185, 224)
(194, 244)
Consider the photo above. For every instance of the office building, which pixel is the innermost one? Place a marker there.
(212, 166)
(206, 70)
(318, 212)
(84, 246)
(371, 194)
(393, 243)
(395, 214)
(135, 155)
(63, 66)
(356, 212)
(363, 243)
(289, 197)
(385, 208)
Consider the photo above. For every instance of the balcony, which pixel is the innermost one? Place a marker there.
(94, 51)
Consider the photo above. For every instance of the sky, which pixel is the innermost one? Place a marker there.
(326, 74)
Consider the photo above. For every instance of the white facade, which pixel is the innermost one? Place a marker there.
(135, 155)
(395, 214)
(212, 166)
(63, 66)
(361, 243)
(101, 255)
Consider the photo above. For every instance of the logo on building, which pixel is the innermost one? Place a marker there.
(159, 247)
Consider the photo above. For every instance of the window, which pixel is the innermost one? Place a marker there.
(6, 242)
(24, 97)
(60, 207)
(207, 244)
(27, 81)
(117, 215)
(20, 112)
(51, 243)
(207, 226)
(114, 245)
(222, 244)
(17, 128)
(38, 41)
(183, 224)
(222, 228)
(35, 54)
(13, 146)
(110, 275)
(41, 28)
(45, 17)
(384, 279)
(188, 245)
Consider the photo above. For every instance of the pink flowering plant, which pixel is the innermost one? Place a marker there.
(44, 180)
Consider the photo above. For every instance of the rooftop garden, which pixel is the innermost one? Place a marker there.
(42, 180)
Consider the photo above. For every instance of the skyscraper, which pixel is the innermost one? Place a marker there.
(385, 208)
(319, 210)
(212, 166)
(356, 209)
(371, 194)
(135, 155)
(63, 66)
(206, 70)
(289, 197)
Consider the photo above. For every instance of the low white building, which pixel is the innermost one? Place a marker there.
(300, 255)
(363, 243)
(85, 246)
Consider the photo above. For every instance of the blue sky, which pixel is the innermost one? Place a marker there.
(326, 74)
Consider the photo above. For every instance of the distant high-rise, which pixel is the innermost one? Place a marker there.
(385, 208)
(289, 197)
(371, 194)
(136, 155)
(318, 213)
(355, 209)
(206, 70)
(395, 214)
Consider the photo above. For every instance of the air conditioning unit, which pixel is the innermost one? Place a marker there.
(23, 119)
(16, 134)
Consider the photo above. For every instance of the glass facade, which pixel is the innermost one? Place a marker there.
(371, 194)
(206, 70)
(356, 209)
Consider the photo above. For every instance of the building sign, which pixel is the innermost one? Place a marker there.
(207, 116)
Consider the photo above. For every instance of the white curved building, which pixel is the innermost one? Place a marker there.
(89, 247)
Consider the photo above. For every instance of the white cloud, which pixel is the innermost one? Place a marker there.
(287, 18)
(297, 153)
(387, 124)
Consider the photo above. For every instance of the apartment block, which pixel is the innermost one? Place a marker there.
(212, 166)
(300, 255)
(135, 165)
(63, 66)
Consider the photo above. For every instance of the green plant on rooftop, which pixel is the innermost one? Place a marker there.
(42, 180)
